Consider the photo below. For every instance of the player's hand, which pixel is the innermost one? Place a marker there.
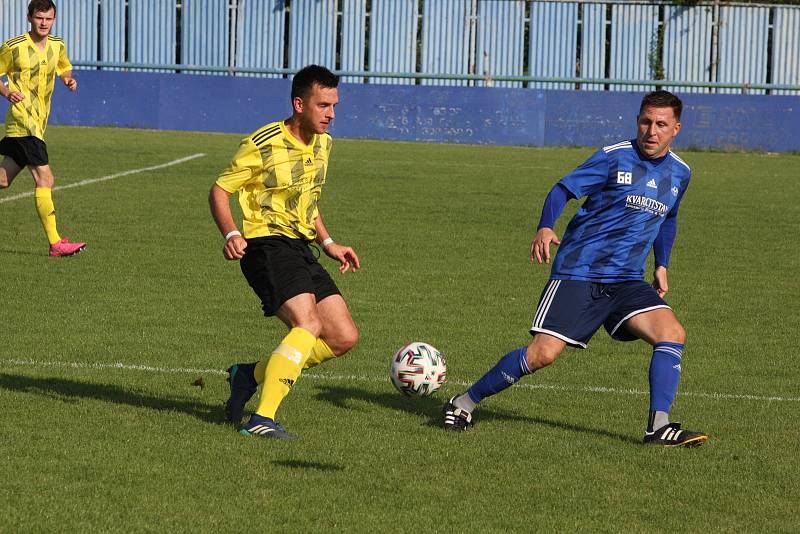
(346, 257)
(660, 281)
(71, 83)
(15, 96)
(234, 248)
(540, 247)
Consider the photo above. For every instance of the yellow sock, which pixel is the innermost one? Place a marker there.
(47, 212)
(283, 369)
(320, 353)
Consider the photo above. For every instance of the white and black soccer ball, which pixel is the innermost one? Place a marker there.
(418, 369)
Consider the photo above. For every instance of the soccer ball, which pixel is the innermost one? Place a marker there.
(418, 369)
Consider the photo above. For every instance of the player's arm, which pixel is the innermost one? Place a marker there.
(5, 66)
(554, 204)
(589, 177)
(345, 255)
(243, 168)
(70, 82)
(662, 248)
(220, 202)
(64, 70)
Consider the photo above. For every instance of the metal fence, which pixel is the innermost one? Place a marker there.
(588, 45)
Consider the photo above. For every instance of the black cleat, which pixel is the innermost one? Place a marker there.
(264, 427)
(455, 419)
(243, 386)
(672, 435)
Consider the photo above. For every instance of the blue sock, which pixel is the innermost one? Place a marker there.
(665, 373)
(506, 373)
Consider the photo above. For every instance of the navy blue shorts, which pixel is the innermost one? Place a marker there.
(25, 151)
(573, 310)
(279, 268)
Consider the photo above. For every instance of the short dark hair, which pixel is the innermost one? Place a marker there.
(41, 5)
(309, 75)
(662, 99)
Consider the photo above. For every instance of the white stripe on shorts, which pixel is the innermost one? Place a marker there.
(637, 312)
(544, 305)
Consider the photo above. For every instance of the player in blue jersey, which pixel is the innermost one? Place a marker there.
(633, 190)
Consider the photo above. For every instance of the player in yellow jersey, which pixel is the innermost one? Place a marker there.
(278, 173)
(31, 63)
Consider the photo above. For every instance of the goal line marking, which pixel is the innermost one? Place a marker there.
(109, 177)
(375, 379)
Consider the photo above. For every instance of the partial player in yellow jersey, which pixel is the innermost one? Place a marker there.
(278, 173)
(31, 63)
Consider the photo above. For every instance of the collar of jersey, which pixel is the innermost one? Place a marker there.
(295, 140)
(33, 44)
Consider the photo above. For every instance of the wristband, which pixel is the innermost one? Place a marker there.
(232, 233)
(327, 241)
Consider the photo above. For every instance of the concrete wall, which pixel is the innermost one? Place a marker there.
(422, 113)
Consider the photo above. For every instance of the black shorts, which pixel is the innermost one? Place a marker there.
(573, 310)
(279, 268)
(25, 151)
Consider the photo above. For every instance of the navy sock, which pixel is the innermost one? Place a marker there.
(665, 373)
(506, 373)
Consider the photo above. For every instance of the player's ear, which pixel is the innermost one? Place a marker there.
(297, 104)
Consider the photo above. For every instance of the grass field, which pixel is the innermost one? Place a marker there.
(103, 429)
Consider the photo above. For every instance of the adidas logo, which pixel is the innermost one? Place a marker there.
(287, 381)
(652, 183)
(308, 162)
(508, 378)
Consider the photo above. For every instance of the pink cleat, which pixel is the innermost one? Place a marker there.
(65, 248)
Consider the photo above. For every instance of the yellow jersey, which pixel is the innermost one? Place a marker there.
(279, 181)
(32, 72)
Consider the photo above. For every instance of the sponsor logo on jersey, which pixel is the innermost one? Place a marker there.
(650, 205)
(674, 191)
(308, 162)
(652, 183)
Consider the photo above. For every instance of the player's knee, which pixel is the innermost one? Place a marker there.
(345, 341)
(674, 333)
(3, 182)
(312, 324)
(539, 356)
(671, 333)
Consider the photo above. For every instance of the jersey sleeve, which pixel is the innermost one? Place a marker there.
(63, 64)
(662, 246)
(5, 59)
(245, 167)
(589, 177)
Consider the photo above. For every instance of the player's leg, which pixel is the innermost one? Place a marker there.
(339, 331)
(285, 364)
(567, 314)
(45, 208)
(650, 319)
(8, 171)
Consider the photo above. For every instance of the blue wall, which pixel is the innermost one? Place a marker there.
(422, 113)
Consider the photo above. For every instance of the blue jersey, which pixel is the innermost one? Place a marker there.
(629, 198)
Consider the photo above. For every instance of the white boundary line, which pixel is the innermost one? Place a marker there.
(109, 177)
(374, 379)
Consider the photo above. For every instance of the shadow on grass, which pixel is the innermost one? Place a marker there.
(71, 390)
(431, 409)
(301, 464)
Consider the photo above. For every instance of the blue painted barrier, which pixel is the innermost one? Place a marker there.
(503, 116)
